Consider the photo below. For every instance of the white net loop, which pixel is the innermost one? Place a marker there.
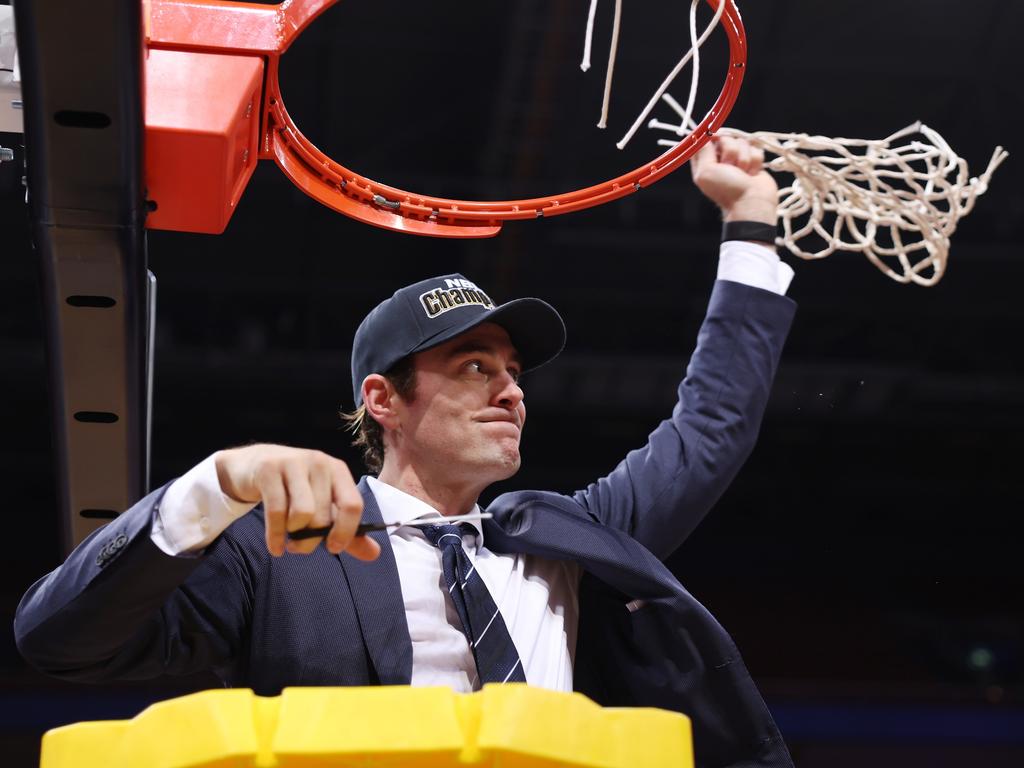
(897, 200)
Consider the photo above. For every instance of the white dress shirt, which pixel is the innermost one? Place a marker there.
(537, 597)
(741, 261)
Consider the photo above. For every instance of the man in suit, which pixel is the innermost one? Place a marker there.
(202, 574)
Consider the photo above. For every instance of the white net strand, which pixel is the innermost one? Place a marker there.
(610, 69)
(693, 53)
(686, 123)
(603, 122)
(589, 39)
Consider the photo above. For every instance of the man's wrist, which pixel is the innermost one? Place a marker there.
(765, 211)
(195, 510)
(225, 479)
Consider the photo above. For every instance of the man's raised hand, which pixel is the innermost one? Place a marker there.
(299, 489)
(730, 172)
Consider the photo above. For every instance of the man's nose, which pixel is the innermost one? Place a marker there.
(508, 393)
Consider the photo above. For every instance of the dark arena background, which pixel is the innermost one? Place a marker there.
(867, 559)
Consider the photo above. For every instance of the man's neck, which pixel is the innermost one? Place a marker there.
(446, 497)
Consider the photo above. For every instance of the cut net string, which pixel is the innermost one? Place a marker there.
(897, 200)
(694, 53)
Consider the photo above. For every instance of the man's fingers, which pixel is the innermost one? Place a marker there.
(751, 158)
(739, 152)
(301, 502)
(756, 161)
(348, 508)
(299, 489)
(314, 490)
(312, 506)
(743, 151)
(320, 482)
(275, 509)
(730, 150)
(705, 156)
(303, 546)
(363, 548)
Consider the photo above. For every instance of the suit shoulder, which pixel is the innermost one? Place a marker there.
(517, 504)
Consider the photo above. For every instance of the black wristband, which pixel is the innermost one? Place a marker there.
(749, 230)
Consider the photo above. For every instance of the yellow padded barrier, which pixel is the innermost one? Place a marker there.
(511, 726)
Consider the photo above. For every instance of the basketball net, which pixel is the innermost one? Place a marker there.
(897, 200)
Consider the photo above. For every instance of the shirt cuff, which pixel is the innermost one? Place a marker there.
(195, 511)
(752, 264)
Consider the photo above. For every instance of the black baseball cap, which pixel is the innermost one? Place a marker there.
(431, 312)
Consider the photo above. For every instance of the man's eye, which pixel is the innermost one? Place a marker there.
(475, 366)
(515, 373)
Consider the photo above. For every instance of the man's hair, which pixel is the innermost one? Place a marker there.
(369, 435)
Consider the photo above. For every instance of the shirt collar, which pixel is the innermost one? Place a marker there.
(396, 505)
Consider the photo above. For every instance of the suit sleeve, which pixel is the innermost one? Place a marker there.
(120, 608)
(659, 493)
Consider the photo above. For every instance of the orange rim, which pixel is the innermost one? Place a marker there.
(218, 25)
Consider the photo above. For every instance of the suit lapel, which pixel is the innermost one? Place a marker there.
(377, 595)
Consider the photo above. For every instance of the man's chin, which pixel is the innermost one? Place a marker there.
(512, 469)
(506, 465)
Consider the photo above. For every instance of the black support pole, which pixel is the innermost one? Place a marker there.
(82, 86)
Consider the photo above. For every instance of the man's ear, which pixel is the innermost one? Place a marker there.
(379, 397)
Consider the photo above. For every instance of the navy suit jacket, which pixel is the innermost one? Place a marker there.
(120, 608)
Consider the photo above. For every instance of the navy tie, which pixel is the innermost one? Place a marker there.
(497, 660)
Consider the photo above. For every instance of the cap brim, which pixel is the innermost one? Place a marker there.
(534, 327)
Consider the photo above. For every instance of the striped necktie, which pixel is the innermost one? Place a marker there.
(497, 660)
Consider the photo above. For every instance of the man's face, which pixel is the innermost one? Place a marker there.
(467, 416)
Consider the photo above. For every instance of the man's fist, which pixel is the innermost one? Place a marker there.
(299, 489)
(730, 172)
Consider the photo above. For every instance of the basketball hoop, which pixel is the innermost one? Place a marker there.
(218, 26)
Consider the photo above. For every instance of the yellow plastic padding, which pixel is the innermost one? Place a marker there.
(512, 726)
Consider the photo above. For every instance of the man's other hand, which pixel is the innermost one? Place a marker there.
(730, 172)
(299, 489)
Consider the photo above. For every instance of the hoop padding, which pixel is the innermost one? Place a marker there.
(348, 192)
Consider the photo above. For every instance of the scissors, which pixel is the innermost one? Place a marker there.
(364, 528)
